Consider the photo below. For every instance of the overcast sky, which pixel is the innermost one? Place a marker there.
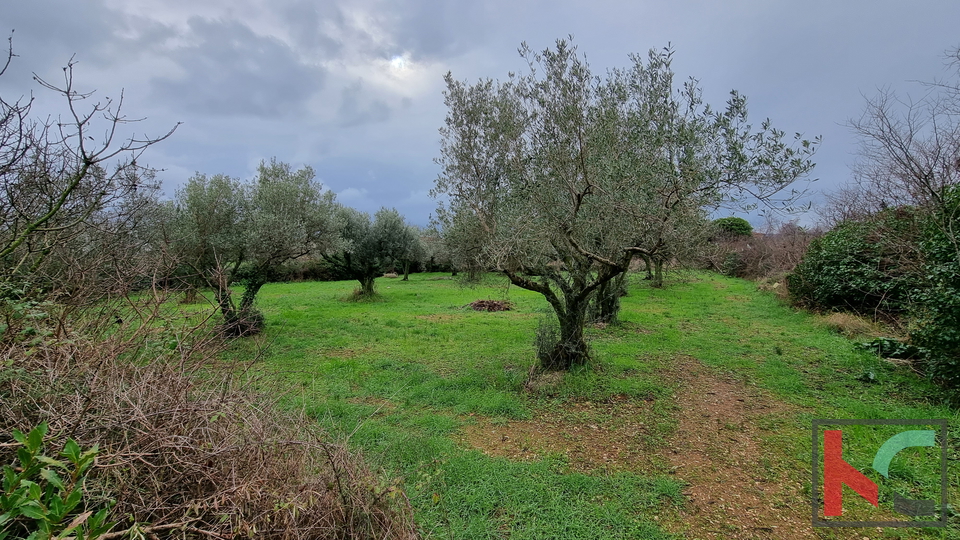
(354, 88)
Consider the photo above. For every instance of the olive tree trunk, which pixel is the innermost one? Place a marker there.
(367, 285)
(571, 349)
(605, 306)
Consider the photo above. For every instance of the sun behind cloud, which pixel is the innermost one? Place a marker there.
(398, 63)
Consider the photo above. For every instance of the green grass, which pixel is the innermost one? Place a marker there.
(401, 374)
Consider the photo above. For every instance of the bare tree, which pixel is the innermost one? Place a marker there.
(55, 175)
(909, 152)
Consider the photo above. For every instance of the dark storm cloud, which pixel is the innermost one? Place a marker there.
(231, 70)
(435, 30)
(55, 29)
(356, 108)
(309, 22)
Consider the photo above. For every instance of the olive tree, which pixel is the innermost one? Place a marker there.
(557, 177)
(414, 252)
(436, 256)
(235, 231)
(370, 247)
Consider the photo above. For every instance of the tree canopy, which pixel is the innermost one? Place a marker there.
(733, 226)
(371, 247)
(234, 231)
(567, 175)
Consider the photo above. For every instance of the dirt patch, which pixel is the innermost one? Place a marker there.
(593, 437)
(739, 485)
(727, 448)
(736, 489)
(438, 317)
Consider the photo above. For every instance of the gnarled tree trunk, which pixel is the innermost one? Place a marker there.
(571, 350)
(367, 285)
(605, 305)
(657, 272)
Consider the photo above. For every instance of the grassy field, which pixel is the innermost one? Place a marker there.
(439, 397)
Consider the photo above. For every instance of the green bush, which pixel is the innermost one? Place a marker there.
(733, 227)
(936, 302)
(900, 262)
(42, 496)
(867, 267)
(732, 264)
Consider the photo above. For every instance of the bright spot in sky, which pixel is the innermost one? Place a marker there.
(398, 63)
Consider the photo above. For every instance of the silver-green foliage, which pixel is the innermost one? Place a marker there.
(370, 247)
(567, 175)
(231, 230)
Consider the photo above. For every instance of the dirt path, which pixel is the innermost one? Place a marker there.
(738, 488)
(740, 484)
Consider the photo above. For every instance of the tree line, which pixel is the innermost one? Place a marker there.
(556, 178)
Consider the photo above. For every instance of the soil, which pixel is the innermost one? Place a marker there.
(593, 437)
(739, 484)
(736, 488)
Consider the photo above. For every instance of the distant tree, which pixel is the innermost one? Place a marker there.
(231, 231)
(733, 227)
(370, 247)
(436, 255)
(566, 176)
(415, 253)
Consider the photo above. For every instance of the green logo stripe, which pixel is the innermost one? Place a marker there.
(905, 439)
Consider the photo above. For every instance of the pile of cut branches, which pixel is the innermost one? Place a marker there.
(491, 305)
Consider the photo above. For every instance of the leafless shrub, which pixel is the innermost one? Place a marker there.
(188, 449)
(770, 255)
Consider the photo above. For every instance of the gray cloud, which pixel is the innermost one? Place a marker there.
(48, 29)
(307, 22)
(356, 109)
(434, 30)
(231, 70)
(242, 74)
